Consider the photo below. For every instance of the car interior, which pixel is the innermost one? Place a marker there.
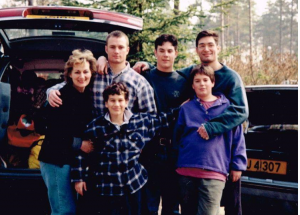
(29, 80)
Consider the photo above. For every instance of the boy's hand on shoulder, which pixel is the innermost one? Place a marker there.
(235, 175)
(80, 187)
(186, 101)
(102, 65)
(140, 66)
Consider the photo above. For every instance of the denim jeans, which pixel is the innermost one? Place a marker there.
(200, 196)
(60, 193)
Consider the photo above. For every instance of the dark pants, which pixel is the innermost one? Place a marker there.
(93, 203)
(162, 184)
(231, 198)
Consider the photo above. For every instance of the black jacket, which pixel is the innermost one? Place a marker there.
(63, 124)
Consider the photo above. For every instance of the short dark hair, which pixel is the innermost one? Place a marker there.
(207, 33)
(166, 38)
(118, 88)
(117, 34)
(203, 70)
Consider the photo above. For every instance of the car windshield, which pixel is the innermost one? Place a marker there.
(23, 33)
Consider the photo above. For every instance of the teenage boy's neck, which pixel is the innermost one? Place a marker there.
(208, 98)
(165, 69)
(116, 68)
(117, 119)
(215, 65)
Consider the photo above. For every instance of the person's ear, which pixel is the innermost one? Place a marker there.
(106, 49)
(106, 104)
(126, 103)
(218, 49)
(155, 53)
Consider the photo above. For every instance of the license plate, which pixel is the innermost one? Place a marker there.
(269, 166)
(57, 17)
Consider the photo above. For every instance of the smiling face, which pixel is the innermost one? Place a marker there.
(116, 105)
(202, 85)
(166, 55)
(208, 50)
(81, 75)
(117, 50)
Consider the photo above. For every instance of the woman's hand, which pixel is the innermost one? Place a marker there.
(80, 187)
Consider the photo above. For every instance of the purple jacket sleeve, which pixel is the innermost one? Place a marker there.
(238, 157)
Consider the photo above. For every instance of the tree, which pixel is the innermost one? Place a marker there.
(157, 20)
(250, 37)
(291, 26)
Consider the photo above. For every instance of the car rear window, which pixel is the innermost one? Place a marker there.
(23, 33)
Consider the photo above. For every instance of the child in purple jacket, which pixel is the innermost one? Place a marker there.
(203, 165)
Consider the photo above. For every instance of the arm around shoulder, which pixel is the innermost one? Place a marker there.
(236, 113)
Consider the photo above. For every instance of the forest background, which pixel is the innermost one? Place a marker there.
(262, 48)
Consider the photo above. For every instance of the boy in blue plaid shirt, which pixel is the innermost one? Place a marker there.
(112, 183)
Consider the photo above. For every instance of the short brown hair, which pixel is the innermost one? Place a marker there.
(117, 34)
(79, 56)
(118, 88)
(203, 70)
(207, 33)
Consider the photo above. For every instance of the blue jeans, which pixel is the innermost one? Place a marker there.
(200, 196)
(60, 193)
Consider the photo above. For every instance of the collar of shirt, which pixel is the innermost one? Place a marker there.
(220, 100)
(123, 70)
(127, 115)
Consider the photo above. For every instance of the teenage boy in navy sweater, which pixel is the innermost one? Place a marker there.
(170, 90)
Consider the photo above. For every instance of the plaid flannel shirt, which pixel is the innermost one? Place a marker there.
(141, 95)
(114, 163)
